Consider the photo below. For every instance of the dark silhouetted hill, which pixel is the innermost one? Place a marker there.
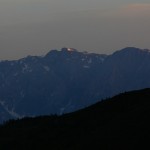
(119, 123)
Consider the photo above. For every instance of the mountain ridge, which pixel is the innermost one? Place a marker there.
(68, 80)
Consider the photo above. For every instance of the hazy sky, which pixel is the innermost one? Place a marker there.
(33, 27)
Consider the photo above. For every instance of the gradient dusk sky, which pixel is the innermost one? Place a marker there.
(33, 27)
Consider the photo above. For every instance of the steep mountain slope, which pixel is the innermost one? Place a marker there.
(54, 83)
(68, 80)
(121, 122)
(126, 70)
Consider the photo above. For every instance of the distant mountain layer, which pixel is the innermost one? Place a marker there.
(119, 123)
(68, 80)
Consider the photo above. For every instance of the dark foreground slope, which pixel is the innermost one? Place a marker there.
(121, 122)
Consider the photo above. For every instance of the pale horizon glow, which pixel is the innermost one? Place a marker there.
(34, 27)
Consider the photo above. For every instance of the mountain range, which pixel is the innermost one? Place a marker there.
(120, 123)
(67, 80)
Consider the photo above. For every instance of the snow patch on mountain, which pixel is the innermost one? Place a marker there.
(46, 68)
(11, 112)
(26, 68)
(85, 66)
